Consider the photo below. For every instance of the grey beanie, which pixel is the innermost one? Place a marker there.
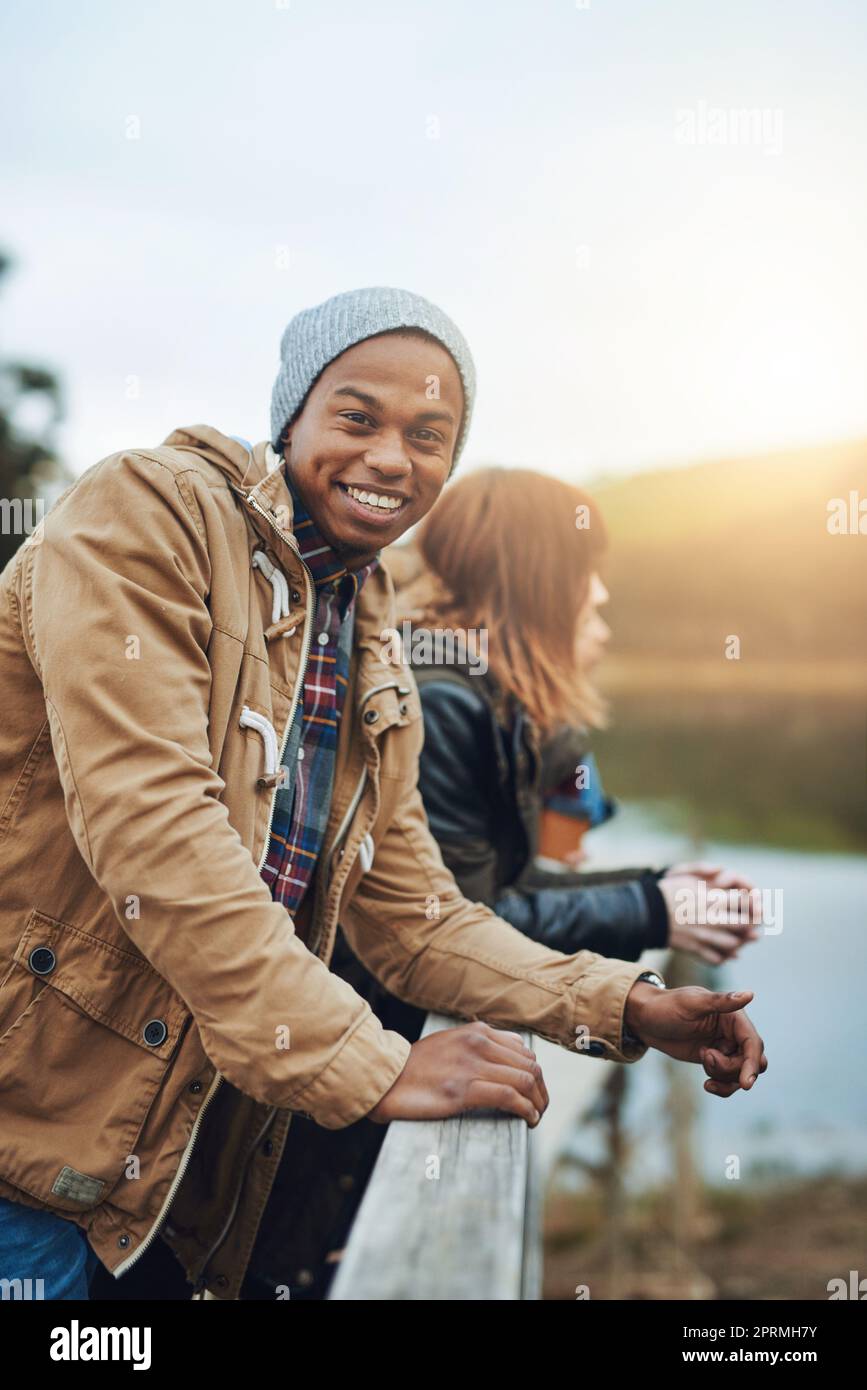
(316, 336)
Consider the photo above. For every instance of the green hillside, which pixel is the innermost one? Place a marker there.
(739, 546)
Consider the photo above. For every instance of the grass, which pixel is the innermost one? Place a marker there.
(780, 1239)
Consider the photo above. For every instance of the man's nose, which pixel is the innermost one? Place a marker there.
(388, 455)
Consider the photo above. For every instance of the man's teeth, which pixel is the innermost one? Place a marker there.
(373, 499)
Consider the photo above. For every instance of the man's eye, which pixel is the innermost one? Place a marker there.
(430, 436)
(357, 417)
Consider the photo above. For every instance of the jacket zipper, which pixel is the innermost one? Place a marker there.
(350, 810)
(215, 1084)
(176, 1182)
(341, 831)
(299, 683)
(200, 1281)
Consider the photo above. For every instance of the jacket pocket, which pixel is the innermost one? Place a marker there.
(87, 1034)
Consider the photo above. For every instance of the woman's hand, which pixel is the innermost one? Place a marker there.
(735, 904)
(466, 1068)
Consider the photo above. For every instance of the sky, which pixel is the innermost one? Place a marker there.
(649, 220)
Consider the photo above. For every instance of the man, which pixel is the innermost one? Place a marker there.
(205, 761)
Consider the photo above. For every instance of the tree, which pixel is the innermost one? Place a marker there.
(31, 473)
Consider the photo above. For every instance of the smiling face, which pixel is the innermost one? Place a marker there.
(371, 450)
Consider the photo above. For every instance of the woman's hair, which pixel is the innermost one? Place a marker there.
(513, 551)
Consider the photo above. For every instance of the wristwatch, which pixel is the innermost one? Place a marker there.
(652, 978)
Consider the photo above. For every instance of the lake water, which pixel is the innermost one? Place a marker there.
(808, 1113)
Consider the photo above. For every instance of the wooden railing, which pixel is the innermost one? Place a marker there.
(451, 1212)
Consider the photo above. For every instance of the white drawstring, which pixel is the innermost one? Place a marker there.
(250, 719)
(275, 775)
(279, 584)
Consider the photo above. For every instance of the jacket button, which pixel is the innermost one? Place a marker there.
(346, 1182)
(267, 1148)
(155, 1032)
(403, 707)
(305, 1278)
(371, 716)
(42, 960)
(296, 596)
(221, 1281)
(195, 1087)
(123, 1242)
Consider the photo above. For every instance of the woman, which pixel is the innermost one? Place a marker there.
(514, 556)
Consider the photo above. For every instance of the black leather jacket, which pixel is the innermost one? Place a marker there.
(482, 781)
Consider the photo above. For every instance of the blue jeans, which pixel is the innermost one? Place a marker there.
(36, 1245)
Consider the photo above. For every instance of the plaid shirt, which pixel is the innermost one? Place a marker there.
(302, 805)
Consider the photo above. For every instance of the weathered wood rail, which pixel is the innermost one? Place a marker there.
(451, 1212)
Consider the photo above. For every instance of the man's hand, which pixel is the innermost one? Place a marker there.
(733, 899)
(698, 1025)
(467, 1068)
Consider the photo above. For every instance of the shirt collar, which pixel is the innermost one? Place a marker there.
(325, 565)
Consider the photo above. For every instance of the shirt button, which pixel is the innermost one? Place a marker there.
(322, 639)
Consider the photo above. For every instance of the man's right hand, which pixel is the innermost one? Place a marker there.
(471, 1067)
(694, 1024)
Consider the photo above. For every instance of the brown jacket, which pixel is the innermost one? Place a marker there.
(160, 1016)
